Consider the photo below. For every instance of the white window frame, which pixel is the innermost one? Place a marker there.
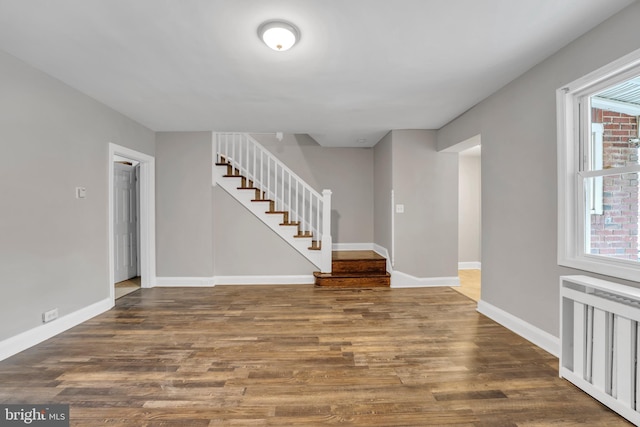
(572, 215)
(595, 154)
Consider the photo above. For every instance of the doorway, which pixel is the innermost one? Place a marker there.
(131, 244)
(469, 216)
(469, 222)
(126, 225)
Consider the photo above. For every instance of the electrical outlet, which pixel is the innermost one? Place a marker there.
(50, 315)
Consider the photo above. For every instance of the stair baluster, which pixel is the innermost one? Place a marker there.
(300, 205)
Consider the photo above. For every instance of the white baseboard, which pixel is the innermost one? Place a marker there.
(265, 280)
(537, 336)
(470, 265)
(184, 282)
(404, 280)
(352, 246)
(188, 282)
(23, 341)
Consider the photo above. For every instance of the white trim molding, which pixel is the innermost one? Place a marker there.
(27, 339)
(265, 280)
(185, 282)
(147, 214)
(572, 116)
(537, 336)
(353, 247)
(470, 265)
(188, 282)
(404, 280)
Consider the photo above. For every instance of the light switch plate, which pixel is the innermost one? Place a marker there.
(81, 192)
(399, 208)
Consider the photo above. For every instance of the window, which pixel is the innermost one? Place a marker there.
(598, 169)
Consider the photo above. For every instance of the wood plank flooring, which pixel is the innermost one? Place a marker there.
(297, 356)
(469, 284)
(127, 286)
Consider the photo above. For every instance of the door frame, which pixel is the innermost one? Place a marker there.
(146, 220)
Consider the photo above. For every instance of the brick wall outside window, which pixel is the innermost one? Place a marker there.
(615, 232)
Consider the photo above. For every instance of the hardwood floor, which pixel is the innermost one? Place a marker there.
(127, 286)
(297, 356)
(469, 284)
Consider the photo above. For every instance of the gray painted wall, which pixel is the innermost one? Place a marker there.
(244, 246)
(184, 222)
(426, 183)
(53, 246)
(469, 209)
(519, 172)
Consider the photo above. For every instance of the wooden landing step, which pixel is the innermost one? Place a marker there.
(355, 269)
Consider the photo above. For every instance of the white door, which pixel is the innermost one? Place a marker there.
(125, 222)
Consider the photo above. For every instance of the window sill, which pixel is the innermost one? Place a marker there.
(620, 269)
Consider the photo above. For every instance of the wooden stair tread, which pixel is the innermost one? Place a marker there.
(358, 262)
(356, 256)
(355, 269)
(353, 282)
(350, 275)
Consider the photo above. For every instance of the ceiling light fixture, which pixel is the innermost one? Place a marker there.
(278, 35)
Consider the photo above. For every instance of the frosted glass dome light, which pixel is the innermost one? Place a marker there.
(278, 35)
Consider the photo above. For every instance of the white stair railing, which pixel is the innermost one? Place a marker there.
(277, 182)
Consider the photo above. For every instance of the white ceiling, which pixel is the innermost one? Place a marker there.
(361, 68)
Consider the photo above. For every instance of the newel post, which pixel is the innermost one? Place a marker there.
(327, 244)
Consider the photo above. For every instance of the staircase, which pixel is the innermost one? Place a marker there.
(355, 269)
(276, 195)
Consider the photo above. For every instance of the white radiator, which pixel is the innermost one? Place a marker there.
(600, 341)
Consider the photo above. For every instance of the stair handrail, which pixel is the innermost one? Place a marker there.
(276, 181)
